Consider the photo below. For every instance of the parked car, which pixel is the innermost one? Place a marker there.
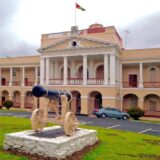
(111, 112)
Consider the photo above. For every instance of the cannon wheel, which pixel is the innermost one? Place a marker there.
(70, 123)
(37, 120)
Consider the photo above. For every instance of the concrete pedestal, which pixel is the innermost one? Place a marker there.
(51, 142)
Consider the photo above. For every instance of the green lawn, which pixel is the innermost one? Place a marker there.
(115, 145)
(14, 110)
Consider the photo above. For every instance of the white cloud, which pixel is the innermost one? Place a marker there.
(35, 17)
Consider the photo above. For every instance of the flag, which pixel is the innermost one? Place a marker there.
(79, 7)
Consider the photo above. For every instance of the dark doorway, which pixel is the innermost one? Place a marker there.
(95, 100)
(3, 99)
(26, 81)
(133, 80)
(3, 81)
(98, 101)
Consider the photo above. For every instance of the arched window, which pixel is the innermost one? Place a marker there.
(100, 72)
(152, 74)
(80, 72)
(61, 73)
(152, 105)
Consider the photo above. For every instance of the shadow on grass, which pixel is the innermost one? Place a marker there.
(142, 156)
(155, 142)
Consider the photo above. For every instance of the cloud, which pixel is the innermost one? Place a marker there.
(20, 49)
(9, 42)
(144, 33)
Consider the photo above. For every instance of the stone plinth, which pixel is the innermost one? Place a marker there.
(51, 142)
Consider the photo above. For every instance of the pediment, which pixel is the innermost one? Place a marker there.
(78, 42)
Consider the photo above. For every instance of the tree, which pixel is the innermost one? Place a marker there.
(8, 104)
(135, 113)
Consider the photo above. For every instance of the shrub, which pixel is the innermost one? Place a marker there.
(135, 113)
(8, 104)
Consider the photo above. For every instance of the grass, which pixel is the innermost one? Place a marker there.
(114, 145)
(14, 110)
(9, 125)
(122, 145)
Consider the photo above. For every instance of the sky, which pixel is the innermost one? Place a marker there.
(23, 21)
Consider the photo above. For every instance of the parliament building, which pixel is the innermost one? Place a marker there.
(93, 65)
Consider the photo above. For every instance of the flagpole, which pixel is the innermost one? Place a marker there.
(75, 14)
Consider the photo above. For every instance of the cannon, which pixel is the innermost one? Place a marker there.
(66, 118)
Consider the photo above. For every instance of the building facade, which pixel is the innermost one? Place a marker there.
(93, 65)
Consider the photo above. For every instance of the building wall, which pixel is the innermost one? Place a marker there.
(109, 34)
(29, 73)
(137, 61)
(127, 70)
(5, 74)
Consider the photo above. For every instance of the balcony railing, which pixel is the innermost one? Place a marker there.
(56, 81)
(151, 84)
(75, 81)
(95, 81)
(6, 83)
(16, 83)
(29, 83)
(145, 84)
(130, 84)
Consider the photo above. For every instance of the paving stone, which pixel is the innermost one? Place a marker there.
(51, 142)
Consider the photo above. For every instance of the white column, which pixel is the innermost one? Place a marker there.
(65, 70)
(51, 67)
(0, 77)
(11, 76)
(121, 84)
(112, 69)
(73, 68)
(92, 72)
(141, 75)
(42, 71)
(106, 69)
(11, 96)
(84, 69)
(120, 75)
(117, 72)
(23, 76)
(36, 75)
(56, 74)
(47, 70)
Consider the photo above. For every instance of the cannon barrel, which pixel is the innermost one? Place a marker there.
(39, 91)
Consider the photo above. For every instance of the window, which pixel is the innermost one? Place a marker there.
(100, 72)
(38, 72)
(133, 80)
(108, 109)
(152, 74)
(3, 82)
(152, 105)
(26, 81)
(14, 72)
(133, 102)
(74, 43)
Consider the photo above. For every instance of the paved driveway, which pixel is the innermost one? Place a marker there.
(108, 123)
(129, 125)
